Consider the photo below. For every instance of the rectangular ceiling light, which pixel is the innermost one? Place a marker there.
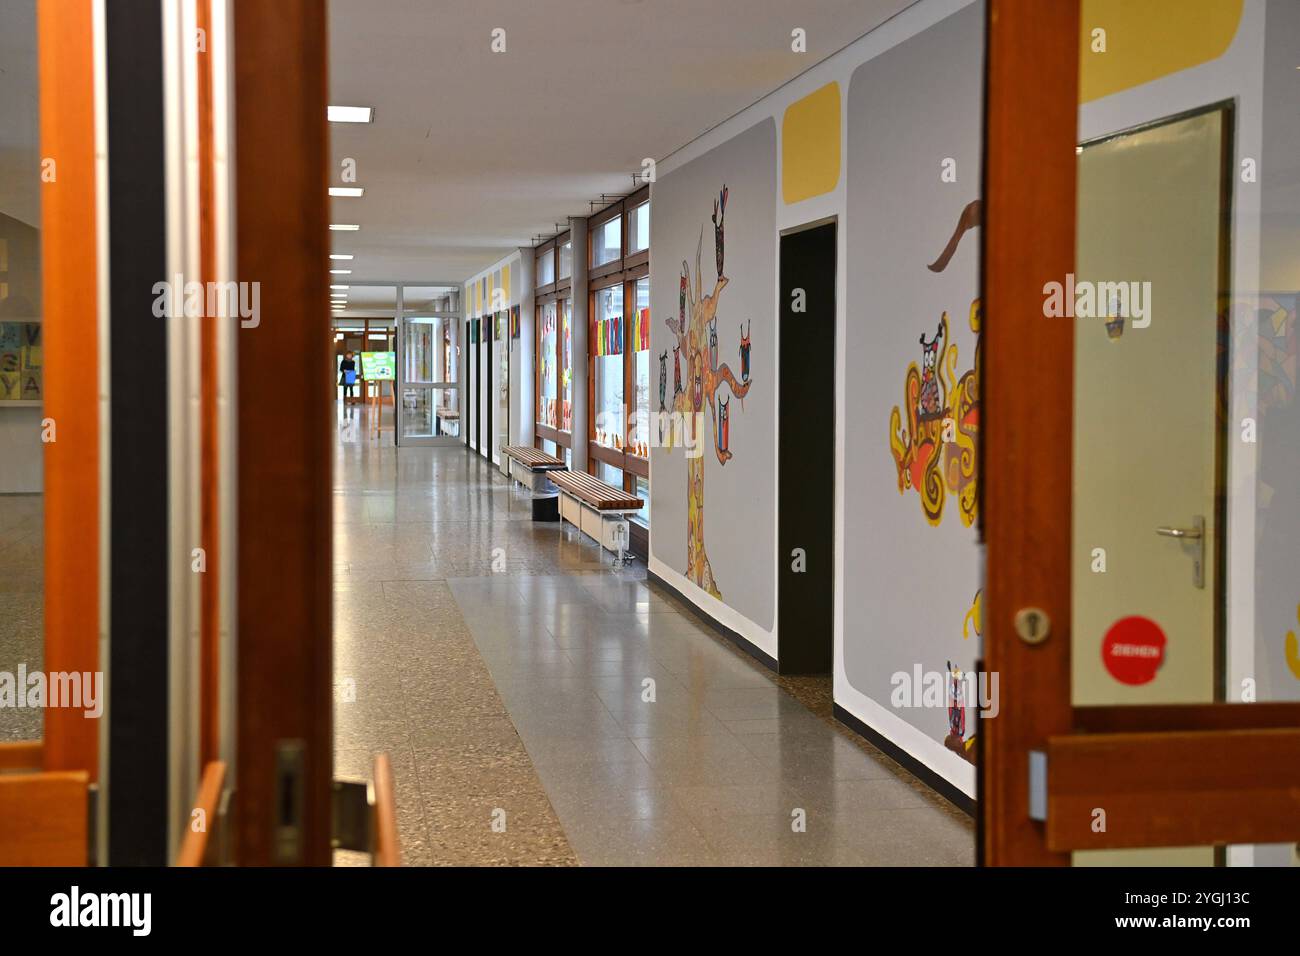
(350, 114)
(339, 255)
(340, 272)
(340, 288)
(343, 227)
(347, 192)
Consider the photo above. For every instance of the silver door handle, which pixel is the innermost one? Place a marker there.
(1195, 533)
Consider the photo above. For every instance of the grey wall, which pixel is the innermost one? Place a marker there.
(907, 584)
(740, 497)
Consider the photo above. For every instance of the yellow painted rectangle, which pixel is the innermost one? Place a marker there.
(810, 145)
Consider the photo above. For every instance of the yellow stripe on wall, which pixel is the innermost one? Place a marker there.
(810, 145)
(1148, 39)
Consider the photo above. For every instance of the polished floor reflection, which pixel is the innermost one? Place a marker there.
(544, 708)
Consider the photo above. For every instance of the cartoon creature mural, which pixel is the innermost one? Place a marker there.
(663, 380)
(745, 346)
(957, 741)
(934, 451)
(697, 315)
(1293, 650)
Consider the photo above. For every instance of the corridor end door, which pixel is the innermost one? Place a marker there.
(429, 388)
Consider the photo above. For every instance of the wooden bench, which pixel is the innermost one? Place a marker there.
(533, 468)
(596, 508)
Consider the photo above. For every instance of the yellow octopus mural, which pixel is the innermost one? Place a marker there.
(934, 449)
(695, 328)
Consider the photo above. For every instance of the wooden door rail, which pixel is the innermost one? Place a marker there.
(1179, 788)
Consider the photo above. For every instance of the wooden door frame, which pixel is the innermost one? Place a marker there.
(285, 429)
(1032, 67)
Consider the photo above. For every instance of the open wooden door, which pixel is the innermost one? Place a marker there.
(1116, 483)
(45, 785)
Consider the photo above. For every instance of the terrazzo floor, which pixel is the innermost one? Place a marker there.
(22, 624)
(504, 666)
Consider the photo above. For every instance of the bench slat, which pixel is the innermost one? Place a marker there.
(532, 457)
(599, 494)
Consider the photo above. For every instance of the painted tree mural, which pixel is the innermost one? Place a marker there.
(696, 330)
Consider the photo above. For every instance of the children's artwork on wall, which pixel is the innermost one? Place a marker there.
(956, 740)
(663, 380)
(972, 621)
(698, 313)
(745, 346)
(935, 449)
(21, 360)
(1292, 648)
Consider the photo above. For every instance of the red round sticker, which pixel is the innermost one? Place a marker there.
(1133, 650)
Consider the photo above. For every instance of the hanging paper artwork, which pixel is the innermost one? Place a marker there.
(609, 336)
(514, 321)
(641, 330)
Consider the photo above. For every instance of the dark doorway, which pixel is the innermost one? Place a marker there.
(471, 397)
(485, 420)
(806, 505)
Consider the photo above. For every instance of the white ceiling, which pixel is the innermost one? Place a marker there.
(473, 153)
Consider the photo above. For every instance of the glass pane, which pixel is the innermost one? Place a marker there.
(609, 474)
(22, 366)
(643, 492)
(503, 379)
(607, 364)
(566, 362)
(566, 260)
(547, 413)
(546, 267)
(421, 350)
(430, 350)
(430, 412)
(640, 427)
(638, 228)
(607, 241)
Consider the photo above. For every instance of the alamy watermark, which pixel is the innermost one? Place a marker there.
(1098, 300)
(664, 429)
(75, 690)
(922, 688)
(211, 300)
